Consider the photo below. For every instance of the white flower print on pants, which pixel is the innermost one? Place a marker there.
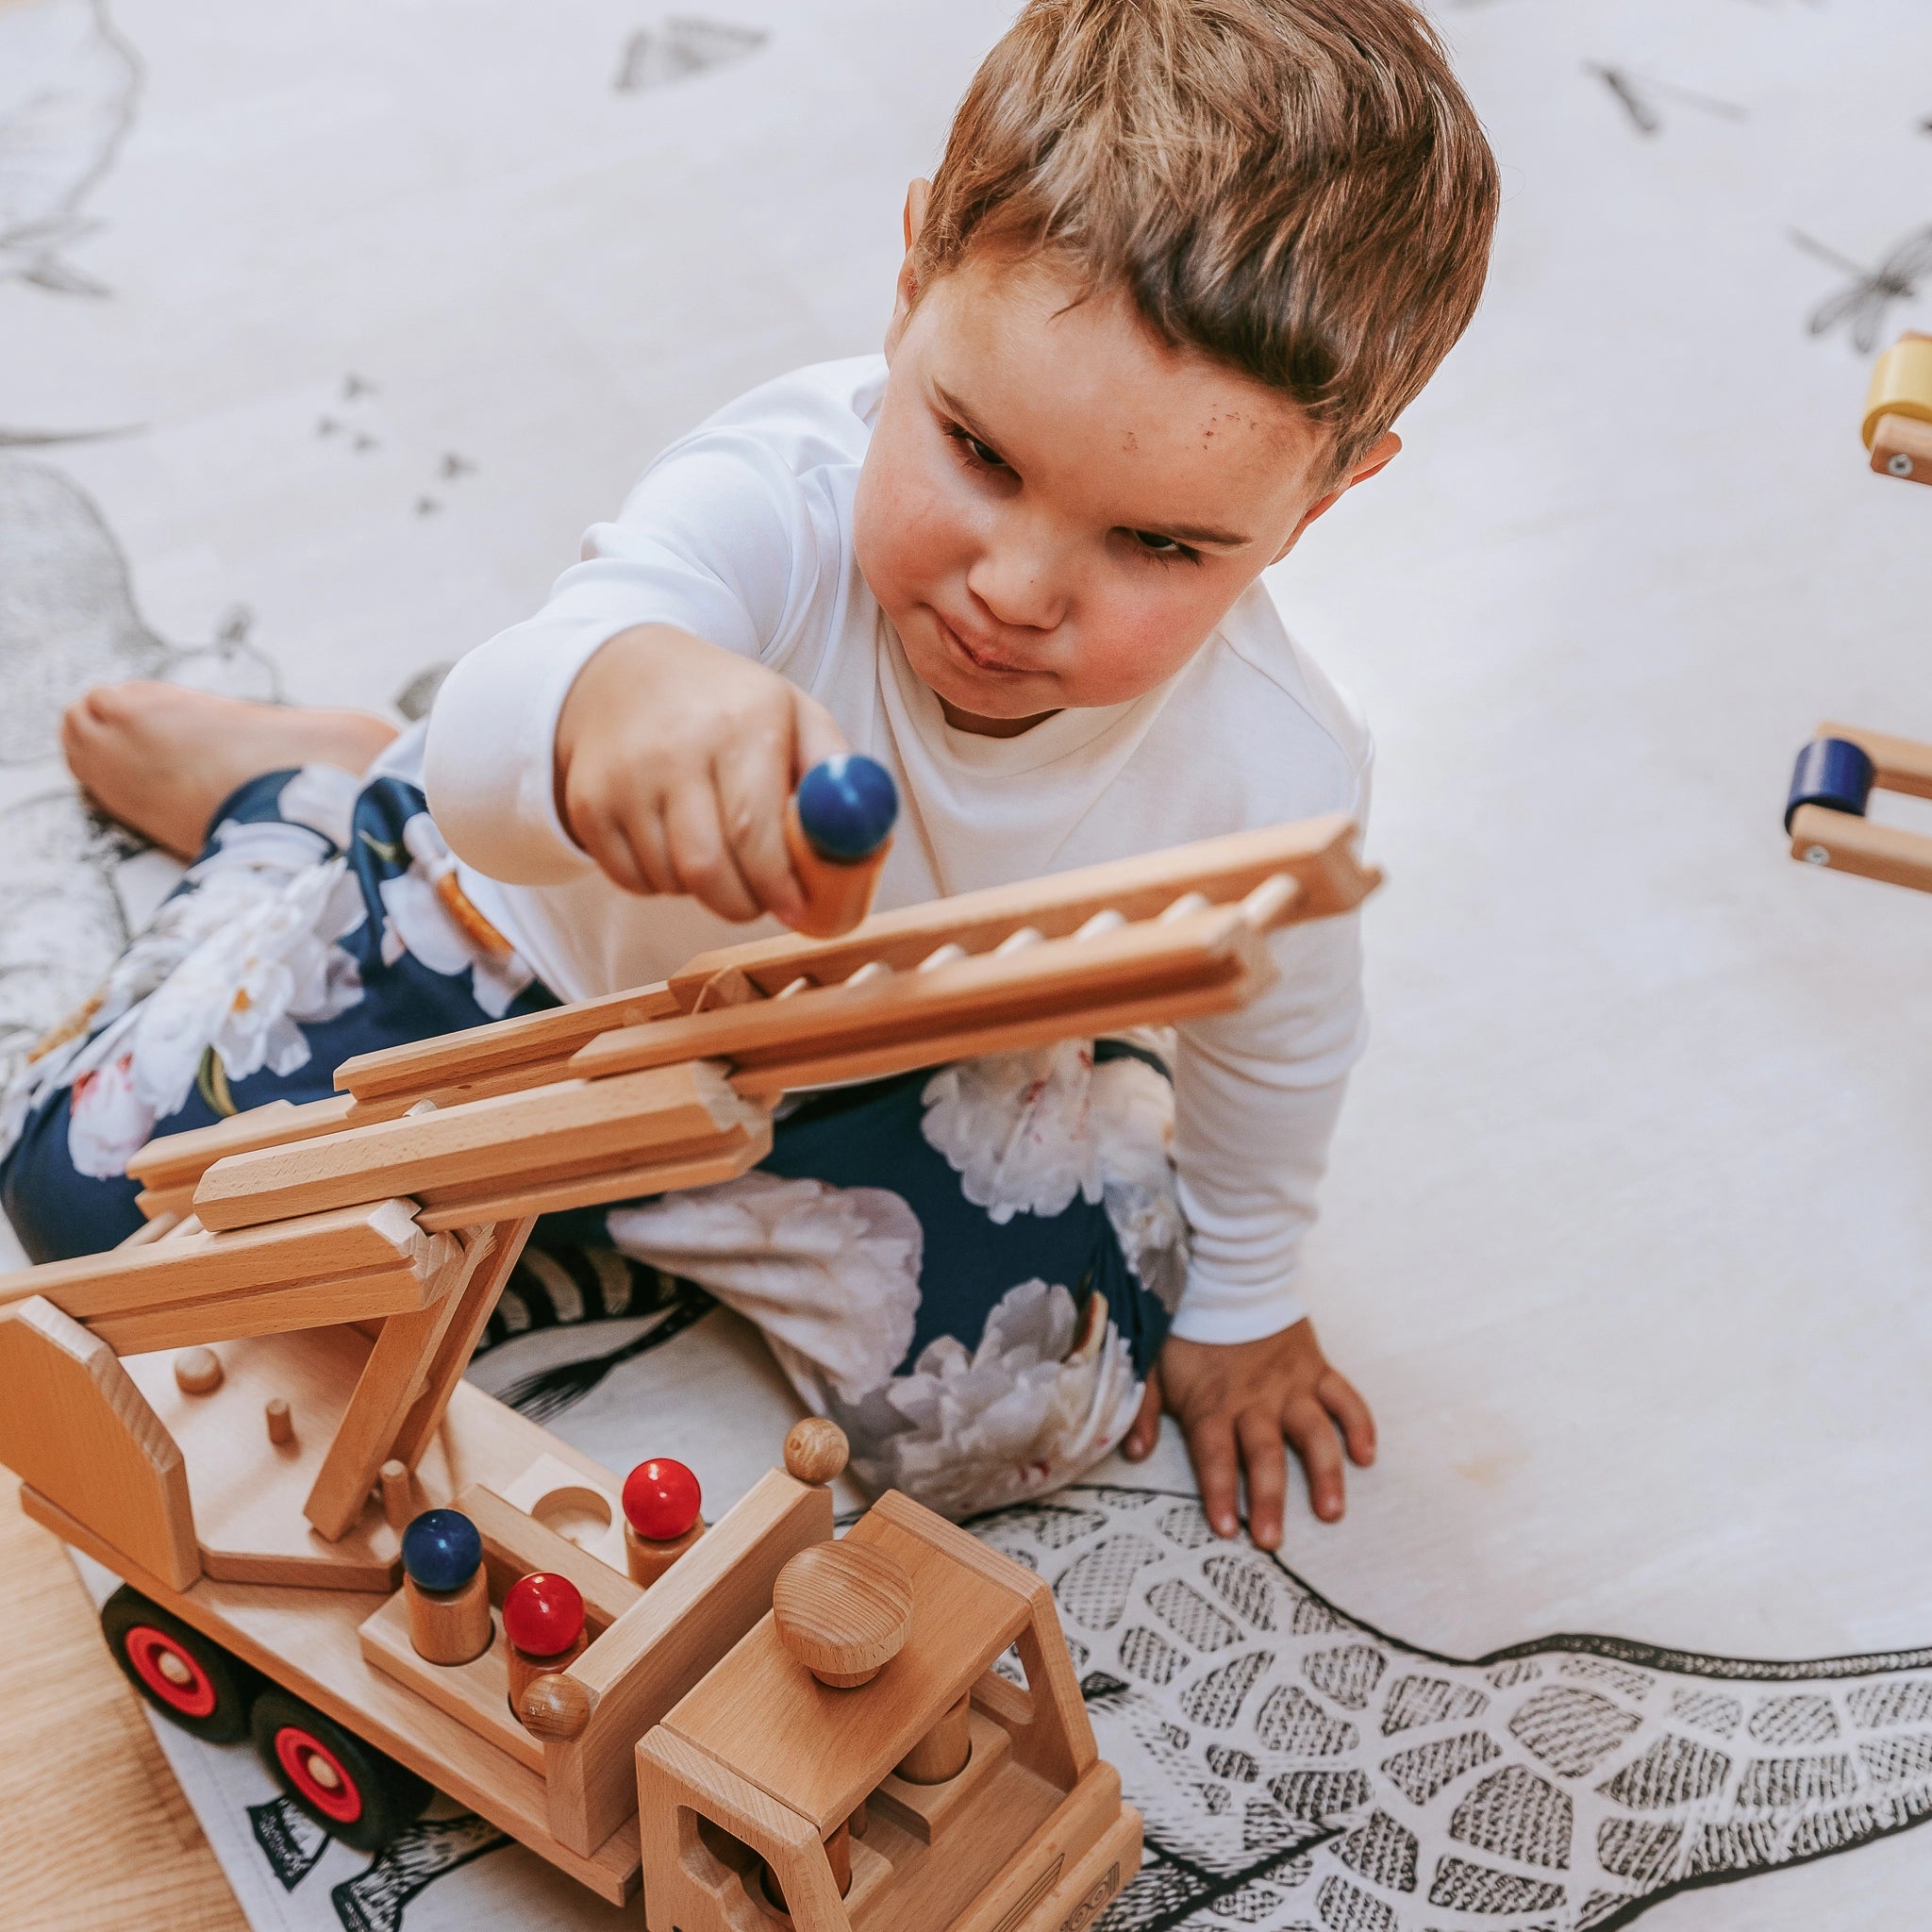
(1027, 1131)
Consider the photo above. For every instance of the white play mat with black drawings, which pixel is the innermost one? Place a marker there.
(323, 333)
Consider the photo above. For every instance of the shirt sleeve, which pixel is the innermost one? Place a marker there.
(1257, 1096)
(719, 539)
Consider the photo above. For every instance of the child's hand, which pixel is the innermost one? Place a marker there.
(675, 762)
(1236, 1402)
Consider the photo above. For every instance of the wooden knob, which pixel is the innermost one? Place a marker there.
(815, 1450)
(842, 1610)
(197, 1372)
(554, 1706)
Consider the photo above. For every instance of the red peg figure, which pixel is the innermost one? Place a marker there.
(543, 1623)
(661, 1501)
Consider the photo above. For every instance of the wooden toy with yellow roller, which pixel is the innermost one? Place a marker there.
(1898, 411)
(252, 1412)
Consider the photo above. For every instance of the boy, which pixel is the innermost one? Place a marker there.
(1183, 263)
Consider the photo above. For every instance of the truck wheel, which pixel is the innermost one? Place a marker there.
(188, 1680)
(352, 1791)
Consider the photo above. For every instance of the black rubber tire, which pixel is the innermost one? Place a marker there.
(225, 1680)
(388, 1798)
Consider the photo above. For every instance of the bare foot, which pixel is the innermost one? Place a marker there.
(160, 759)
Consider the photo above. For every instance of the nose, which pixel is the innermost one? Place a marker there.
(1017, 577)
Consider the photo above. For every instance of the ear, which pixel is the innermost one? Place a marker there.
(1376, 460)
(907, 292)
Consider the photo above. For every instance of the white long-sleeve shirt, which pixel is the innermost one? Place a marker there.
(741, 533)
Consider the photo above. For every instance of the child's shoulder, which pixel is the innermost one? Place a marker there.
(1299, 742)
(812, 417)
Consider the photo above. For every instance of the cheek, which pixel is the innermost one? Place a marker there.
(1144, 625)
(907, 525)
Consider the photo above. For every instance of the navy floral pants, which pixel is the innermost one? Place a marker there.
(970, 1270)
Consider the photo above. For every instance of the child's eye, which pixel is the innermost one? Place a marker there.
(981, 453)
(1154, 544)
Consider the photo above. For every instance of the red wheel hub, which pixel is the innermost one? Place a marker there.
(168, 1670)
(318, 1774)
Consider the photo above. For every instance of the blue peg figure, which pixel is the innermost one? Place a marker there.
(445, 1588)
(838, 830)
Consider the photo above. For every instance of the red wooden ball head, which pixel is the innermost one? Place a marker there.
(543, 1620)
(661, 1501)
(543, 1614)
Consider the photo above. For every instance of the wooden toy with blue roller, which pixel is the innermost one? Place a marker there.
(401, 1586)
(1831, 786)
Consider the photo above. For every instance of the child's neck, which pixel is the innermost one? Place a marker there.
(990, 728)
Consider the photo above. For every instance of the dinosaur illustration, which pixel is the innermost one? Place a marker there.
(67, 84)
(1301, 1772)
(68, 621)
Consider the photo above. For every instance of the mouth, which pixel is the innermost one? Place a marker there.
(976, 655)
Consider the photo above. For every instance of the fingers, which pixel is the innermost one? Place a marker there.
(754, 791)
(1211, 1446)
(1266, 1461)
(815, 735)
(702, 858)
(1137, 1443)
(1308, 1425)
(623, 857)
(1338, 1396)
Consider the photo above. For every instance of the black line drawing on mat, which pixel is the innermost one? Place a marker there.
(45, 439)
(1634, 91)
(1295, 1765)
(68, 619)
(1862, 305)
(373, 1901)
(415, 698)
(62, 921)
(561, 1285)
(68, 86)
(680, 47)
(291, 1840)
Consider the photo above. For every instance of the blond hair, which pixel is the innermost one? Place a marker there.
(1298, 189)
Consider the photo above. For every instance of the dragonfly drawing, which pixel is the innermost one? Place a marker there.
(1861, 306)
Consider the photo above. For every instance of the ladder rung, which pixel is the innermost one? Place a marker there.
(1105, 920)
(1269, 901)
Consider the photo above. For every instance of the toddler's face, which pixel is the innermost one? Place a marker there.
(1056, 509)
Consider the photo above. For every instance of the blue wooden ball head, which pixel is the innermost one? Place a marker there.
(441, 1550)
(847, 806)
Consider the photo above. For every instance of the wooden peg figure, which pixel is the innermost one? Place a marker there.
(661, 1519)
(543, 1620)
(445, 1587)
(838, 830)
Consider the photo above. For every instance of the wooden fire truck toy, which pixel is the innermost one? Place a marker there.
(253, 1411)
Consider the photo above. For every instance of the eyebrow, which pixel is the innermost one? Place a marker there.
(1180, 533)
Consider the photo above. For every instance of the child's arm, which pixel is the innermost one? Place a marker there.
(1237, 1403)
(675, 762)
(1257, 1093)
